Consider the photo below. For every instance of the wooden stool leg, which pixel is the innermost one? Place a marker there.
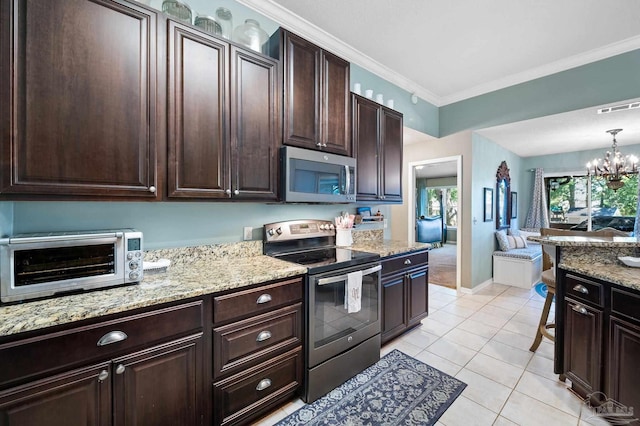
(543, 321)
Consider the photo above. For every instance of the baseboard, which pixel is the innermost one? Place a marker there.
(477, 288)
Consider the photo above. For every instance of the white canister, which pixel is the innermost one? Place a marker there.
(379, 98)
(357, 88)
(343, 237)
(390, 103)
(368, 93)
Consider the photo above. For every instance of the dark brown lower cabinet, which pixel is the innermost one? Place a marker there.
(583, 346)
(405, 293)
(77, 397)
(599, 338)
(141, 368)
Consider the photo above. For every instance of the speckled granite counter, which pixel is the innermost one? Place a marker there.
(196, 275)
(597, 257)
(389, 247)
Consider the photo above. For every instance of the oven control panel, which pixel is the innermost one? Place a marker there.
(298, 229)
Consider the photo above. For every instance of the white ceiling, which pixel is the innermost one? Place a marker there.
(446, 51)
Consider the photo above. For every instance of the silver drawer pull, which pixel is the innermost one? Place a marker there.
(263, 335)
(120, 369)
(582, 289)
(264, 298)
(580, 309)
(103, 375)
(112, 337)
(407, 262)
(264, 383)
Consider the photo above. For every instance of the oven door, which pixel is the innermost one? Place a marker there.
(330, 327)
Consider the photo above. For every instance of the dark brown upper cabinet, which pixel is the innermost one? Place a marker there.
(377, 142)
(78, 99)
(223, 118)
(316, 95)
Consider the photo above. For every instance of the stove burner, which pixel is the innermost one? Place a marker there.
(328, 258)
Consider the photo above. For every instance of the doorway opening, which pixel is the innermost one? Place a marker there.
(434, 215)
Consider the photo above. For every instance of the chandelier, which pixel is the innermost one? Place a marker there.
(614, 166)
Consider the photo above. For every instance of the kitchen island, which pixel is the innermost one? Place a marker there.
(597, 340)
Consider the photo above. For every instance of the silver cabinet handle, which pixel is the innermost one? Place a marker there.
(407, 262)
(347, 173)
(264, 298)
(580, 309)
(103, 375)
(152, 189)
(331, 280)
(319, 144)
(120, 369)
(582, 289)
(236, 192)
(263, 335)
(112, 337)
(264, 383)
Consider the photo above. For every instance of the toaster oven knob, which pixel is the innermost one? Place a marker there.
(134, 264)
(129, 256)
(133, 275)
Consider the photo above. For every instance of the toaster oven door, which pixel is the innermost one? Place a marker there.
(40, 269)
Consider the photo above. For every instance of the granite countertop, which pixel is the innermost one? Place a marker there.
(389, 247)
(194, 272)
(613, 273)
(574, 241)
(180, 281)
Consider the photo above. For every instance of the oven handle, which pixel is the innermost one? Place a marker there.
(331, 280)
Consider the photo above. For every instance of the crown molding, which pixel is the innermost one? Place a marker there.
(594, 55)
(306, 29)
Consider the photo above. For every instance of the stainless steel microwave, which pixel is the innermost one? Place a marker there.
(48, 264)
(317, 177)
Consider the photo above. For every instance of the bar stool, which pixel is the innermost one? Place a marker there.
(543, 326)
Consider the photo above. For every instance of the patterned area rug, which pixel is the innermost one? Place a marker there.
(397, 390)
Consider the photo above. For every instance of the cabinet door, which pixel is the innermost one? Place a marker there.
(78, 398)
(391, 159)
(301, 92)
(366, 136)
(163, 385)
(255, 125)
(394, 319)
(198, 133)
(418, 295)
(583, 346)
(624, 375)
(336, 118)
(79, 98)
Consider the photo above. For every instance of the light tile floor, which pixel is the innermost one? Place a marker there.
(483, 339)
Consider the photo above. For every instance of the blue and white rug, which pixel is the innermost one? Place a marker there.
(397, 390)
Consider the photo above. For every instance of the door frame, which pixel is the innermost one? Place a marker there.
(411, 204)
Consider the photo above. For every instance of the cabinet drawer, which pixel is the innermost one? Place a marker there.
(250, 302)
(251, 392)
(625, 303)
(54, 352)
(404, 262)
(252, 340)
(583, 289)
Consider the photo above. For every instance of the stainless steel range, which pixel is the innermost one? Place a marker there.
(342, 301)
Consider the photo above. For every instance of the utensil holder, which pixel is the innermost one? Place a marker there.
(343, 237)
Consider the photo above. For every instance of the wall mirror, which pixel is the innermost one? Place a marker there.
(503, 197)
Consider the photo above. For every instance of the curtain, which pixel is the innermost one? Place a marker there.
(421, 205)
(538, 216)
(636, 225)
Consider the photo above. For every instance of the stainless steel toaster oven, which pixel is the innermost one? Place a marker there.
(49, 264)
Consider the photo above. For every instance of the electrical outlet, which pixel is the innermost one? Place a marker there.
(384, 223)
(248, 233)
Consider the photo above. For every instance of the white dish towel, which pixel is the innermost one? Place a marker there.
(353, 294)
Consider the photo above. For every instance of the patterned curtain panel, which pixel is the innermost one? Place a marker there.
(538, 216)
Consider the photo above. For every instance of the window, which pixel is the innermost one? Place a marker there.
(568, 202)
(432, 204)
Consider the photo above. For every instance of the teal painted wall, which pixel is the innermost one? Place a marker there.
(423, 116)
(609, 80)
(164, 224)
(486, 158)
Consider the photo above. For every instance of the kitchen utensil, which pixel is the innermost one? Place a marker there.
(634, 262)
